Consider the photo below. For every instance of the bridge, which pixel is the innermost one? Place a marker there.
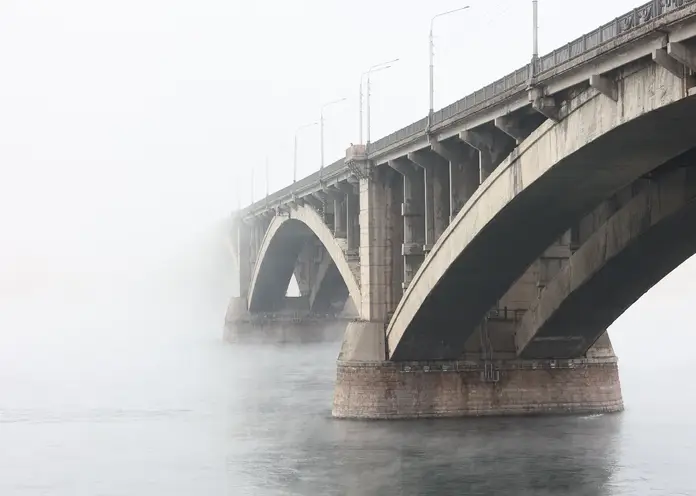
(477, 256)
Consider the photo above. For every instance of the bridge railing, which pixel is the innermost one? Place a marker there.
(297, 186)
(516, 80)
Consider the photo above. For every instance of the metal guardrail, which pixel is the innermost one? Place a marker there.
(518, 79)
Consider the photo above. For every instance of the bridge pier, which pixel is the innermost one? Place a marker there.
(370, 387)
(290, 325)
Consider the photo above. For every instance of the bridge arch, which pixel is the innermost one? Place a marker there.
(560, 172)
(646, 239)
(279, 250)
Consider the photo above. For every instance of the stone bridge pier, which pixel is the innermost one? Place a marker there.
(477, 257)
(486, 377)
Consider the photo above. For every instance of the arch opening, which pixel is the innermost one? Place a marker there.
(640, 244)
(302, 247)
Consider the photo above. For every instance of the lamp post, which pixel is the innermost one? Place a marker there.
(252, 186)
(374, 68)
(294, 162)
(432, 56)
(267, 179)
(535, 32)
(321, 129)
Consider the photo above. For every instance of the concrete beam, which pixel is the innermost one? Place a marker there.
(683, 54)
(314, 202)
(512, 127)
(426, 159)
(347, 188)
(403, 166)
(320, 195)
(334, 193)
(664, 60)
(493, 145)
(547, 107)
(445, 151)
(606, 86)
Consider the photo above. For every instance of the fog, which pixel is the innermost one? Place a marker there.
(128, 133)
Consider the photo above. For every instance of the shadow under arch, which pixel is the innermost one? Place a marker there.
(280, 248)
(560, 172)
(632, 251)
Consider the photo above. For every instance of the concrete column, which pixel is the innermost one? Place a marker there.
(412, 210)
(464, 179)
(463, 171)
(340, 217)
(243, 249)
(304, 267)
(436, 194)
(375, 246)
(337, 198)
(352, 220)
(326, 207)
(493, 145)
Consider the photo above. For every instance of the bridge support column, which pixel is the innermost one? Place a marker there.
(352, 219)
(437, 207)
(380, 240)
(463, 172)
(412, 210)
(340, 218)
(242, 239)
(372, 389)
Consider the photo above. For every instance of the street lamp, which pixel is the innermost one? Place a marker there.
(432, 56)
(535, 31)
(294, 162)
(374, 68)
(321, 129)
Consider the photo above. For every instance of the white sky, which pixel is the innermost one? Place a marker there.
(127, 128)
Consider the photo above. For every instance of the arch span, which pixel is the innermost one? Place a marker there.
(632, 251)
(560, 172)
(280, 248)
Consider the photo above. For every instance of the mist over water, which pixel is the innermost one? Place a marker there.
(126, 130)
(116, 381)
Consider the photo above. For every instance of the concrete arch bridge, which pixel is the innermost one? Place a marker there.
(484, 250)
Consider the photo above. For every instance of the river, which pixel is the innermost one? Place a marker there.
(122, 386)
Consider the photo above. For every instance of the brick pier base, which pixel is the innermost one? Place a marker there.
(392, 390)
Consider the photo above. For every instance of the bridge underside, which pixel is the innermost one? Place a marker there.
(646, 239)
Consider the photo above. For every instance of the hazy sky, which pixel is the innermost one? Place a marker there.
(127, 128)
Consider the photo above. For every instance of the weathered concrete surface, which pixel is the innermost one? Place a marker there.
(559, 173)
(639, 245)
(381, 232)
(392, 390)
(280, 248)
(363, 341)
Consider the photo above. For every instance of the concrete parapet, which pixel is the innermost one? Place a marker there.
(392, 390)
